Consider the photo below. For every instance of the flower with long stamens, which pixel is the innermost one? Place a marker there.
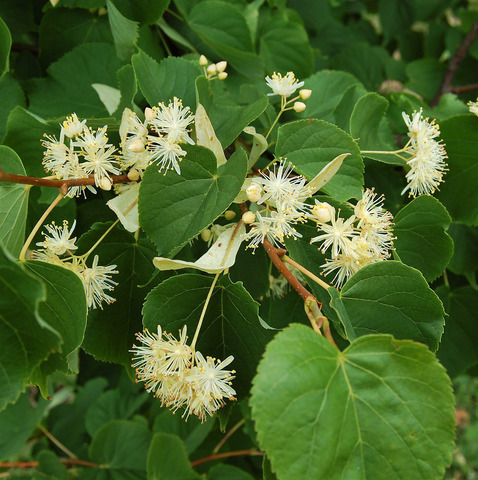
(283, 85)
(58, 241)
(97, 281)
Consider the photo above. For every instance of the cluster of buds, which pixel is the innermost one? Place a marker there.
(96, 279)
(363, 238)
(285, 86)
(212, 233)
(213, 70)
(180, 376)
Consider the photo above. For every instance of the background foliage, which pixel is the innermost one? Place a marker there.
(69, 407)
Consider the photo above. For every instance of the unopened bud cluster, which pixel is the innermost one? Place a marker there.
(180, 376)
(213, 70)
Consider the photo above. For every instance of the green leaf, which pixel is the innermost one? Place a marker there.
(173, 208)
(172, 77)
(224, 28)
(457, 349)
(396, 16)
(311, 145)
(13, 203)
(24, 132)
(390, 297)
(425, 77)
(381, 409)
(168, 460)
(459, 193)
(19, 420)
(222, 471)
(465, 255)
(231, 325)
(146, 11)
(12, 95)
(422, 241)
(228, 119)
(5, 45)
(343, 110)
(68, 85)
(64, 310)
(192, 432)
(125, 32)
(50, 466)
(366, 125)
(128, 89)
(121, 447)
(110, 332)
(280, 39)
(62, 29)
(112, 405)
(328, 88)
(26, 339)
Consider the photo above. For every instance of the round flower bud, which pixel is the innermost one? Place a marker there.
(222, 76)
(249, 217)
(148, 114)
(299, 107)
(136, 146)
(202, 61)
(221, 66)
(206, 235)
(211, 69)
(134, 175)
(323, 212)
(229, 214)
(54, 3)
(105, 184)
(305, 93)
(254, 192)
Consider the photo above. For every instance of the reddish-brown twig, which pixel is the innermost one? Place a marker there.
(454, 63)
(217, 456)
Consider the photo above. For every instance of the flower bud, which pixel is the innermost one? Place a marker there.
(249, 217)
(136, 146)
(148, 114)
(221, 66)
(299, 107)
(206, 235)
(229, 214)
(105, 184)
(134, 175)
(305, 93)
(54, 3)
(202, 61)
(211, 69)
(323, 212)
(254, 192)
(222, 76)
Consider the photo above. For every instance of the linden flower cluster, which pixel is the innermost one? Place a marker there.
(285, 86)
(427, 164)
(283, 196)
(96, 279)
(213, 70)
(78, 153)
(158, 138)
(364, 238)
(180, 376)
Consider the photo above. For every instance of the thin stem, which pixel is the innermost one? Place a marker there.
(65, 461)
(445, 279)
(55, 441)
(464, 88)
(385, 152)
(55, 202)
(217, 456)
(302, 269)
(228, 435)
(88, 253)
(203, 313)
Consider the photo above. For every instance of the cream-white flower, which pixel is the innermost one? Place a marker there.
(473, 106)
(72, 127)
(97, 281)
(284, 86)
(58, 241)
(166, 153)
(338, 235)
